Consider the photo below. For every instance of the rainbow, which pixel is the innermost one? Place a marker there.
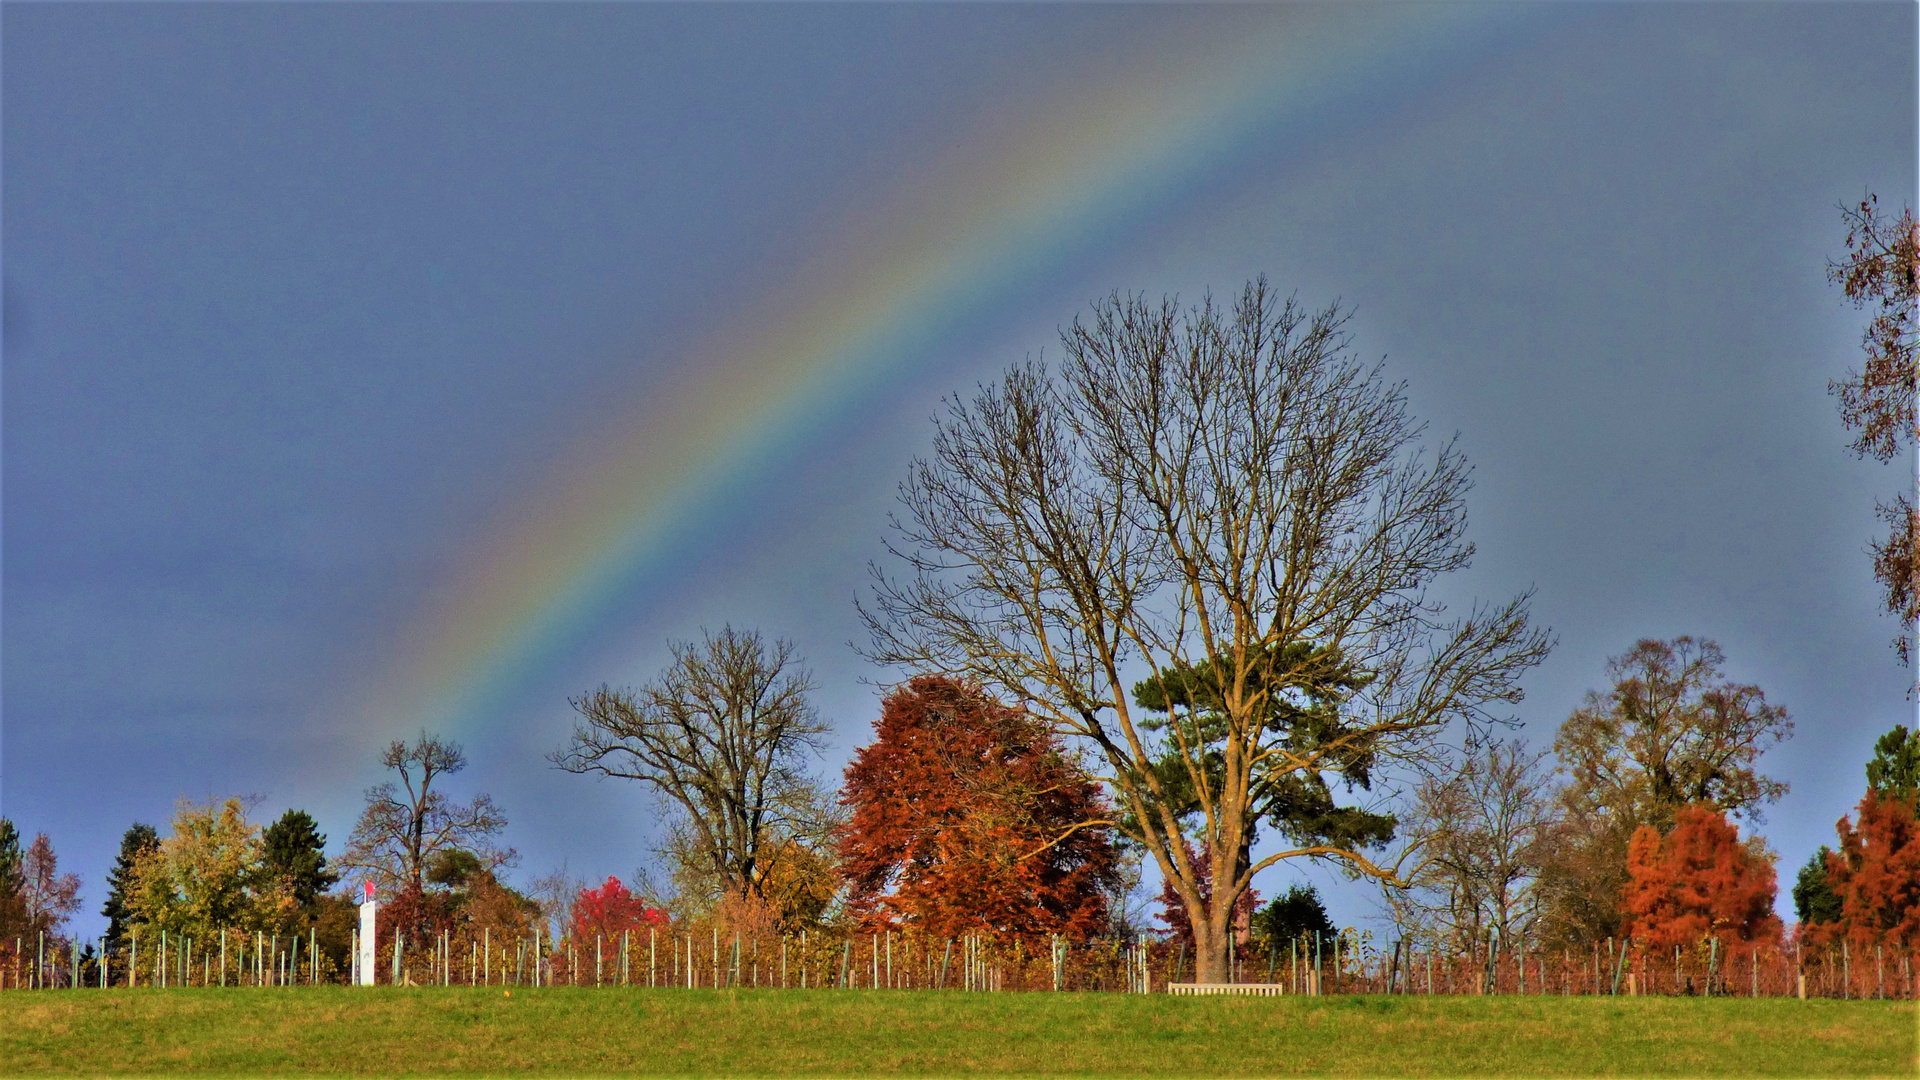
(1104, 156)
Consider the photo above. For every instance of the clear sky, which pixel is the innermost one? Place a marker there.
(378, 367)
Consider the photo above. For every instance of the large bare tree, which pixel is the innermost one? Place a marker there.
(406, 826)
(1231, 495)
(722, 734)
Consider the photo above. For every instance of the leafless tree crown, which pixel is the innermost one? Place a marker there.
(723, 734)
(404, 827)
(1203, 489)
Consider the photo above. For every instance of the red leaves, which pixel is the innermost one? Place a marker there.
(610, 909)
(1876, 874)
(967, 817)
(1698, 881)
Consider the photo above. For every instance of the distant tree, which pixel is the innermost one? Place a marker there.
(1670, 733)
(1814, 900)
(13, 901)
(1876, 874)
(966, 815)
(723, 735)
(1295, 915)
(1485, 831)
(1227, 491)
(1697, 881)
(140, 839)
(52, 897)
(404, 827)
(609, 910)
(1894, 770)
(205, 875)
(294, 852)
(1882, 272)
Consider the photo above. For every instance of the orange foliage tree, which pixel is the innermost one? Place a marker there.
(1697, 881)
(610, 909)
(966, 816)
(1876, 875)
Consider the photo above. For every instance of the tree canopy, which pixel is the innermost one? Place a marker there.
(723, 735)
(1882, 273)
(1226, 493)
(1697, 881)
(965, 815)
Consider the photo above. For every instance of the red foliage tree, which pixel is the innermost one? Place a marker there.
(1173, 910)
(1697, 881)
(1876, 875)
(610, 909)
(966, 816)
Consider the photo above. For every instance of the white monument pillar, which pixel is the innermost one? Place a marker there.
(368, 938)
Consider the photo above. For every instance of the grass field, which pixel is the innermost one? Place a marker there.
(341, 1031)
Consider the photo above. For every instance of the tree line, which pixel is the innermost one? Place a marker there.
(1172, 602)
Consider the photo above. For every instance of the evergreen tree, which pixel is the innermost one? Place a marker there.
(1894, 770)
(140, 839)
(1298, 914)
(1814, 900)
(295, 853)
(13, 880)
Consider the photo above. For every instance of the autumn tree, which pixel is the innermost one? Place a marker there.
(1229, 493)
(205, 875)
(611, 909)
(139, 840)
(723, 735)
(52, 897)
(1671, 732)
(966, 815)
(1876, 874)
(1485, 829)
(405, 826)
(1882, 274)
(1697, 881)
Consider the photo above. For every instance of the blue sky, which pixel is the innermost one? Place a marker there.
(307, 304)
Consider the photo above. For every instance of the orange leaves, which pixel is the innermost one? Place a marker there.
(1876, 874)
(1698, 881)
(966, 816)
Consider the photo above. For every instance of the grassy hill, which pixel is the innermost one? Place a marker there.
(343, 1031)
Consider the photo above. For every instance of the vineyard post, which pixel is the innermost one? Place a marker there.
(1846, 972)
(1620, 959)
(944, 960)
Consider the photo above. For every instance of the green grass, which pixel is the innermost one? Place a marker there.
(341, 1031)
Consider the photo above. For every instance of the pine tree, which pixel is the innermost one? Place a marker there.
(1894, 770)
(1814, 900)
(13, 880)
(1298, 914)
(295, 852)
(140, 839)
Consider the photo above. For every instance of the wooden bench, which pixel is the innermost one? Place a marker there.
(1261, 989)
